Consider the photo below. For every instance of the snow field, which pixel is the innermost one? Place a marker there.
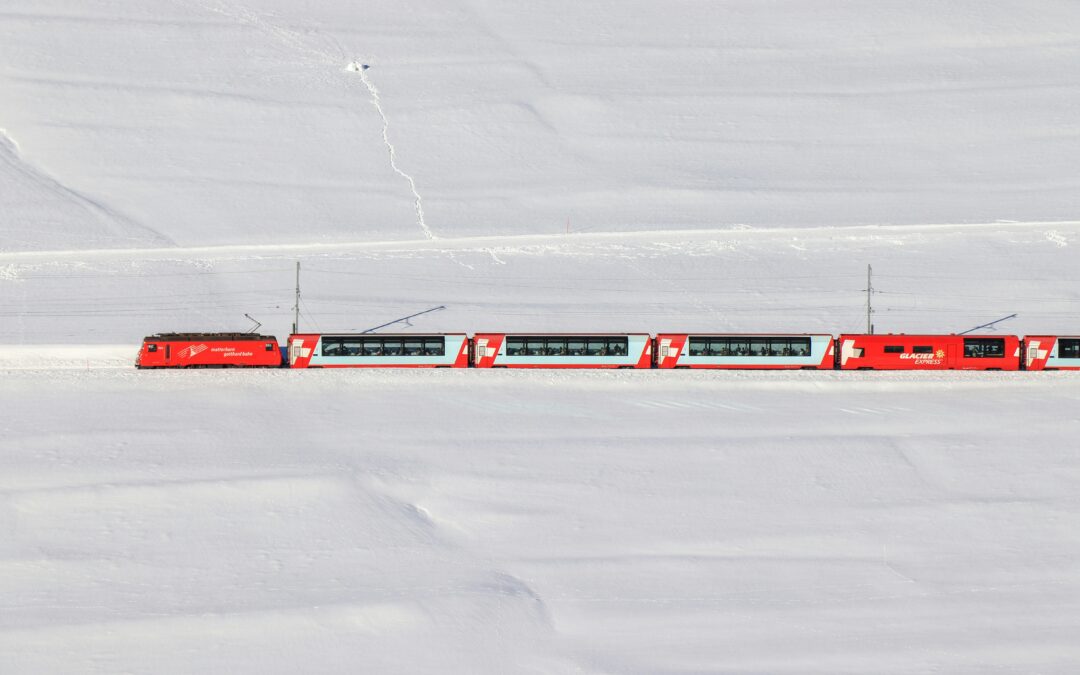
(562, 522)
(565, 166)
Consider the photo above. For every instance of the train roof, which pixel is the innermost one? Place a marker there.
(218, 337)
(885, 336)
(401, 335)
(543, 334)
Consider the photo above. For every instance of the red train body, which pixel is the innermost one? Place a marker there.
(209, 350)
(929, 352)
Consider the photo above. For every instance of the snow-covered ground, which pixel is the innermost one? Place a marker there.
(221, 121)
(538, 522)
(555, 166)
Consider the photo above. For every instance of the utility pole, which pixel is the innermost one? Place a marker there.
(869, 304)
(296, 306)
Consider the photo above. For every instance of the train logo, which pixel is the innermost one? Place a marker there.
(190, 351)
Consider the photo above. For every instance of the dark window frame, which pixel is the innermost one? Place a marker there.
(984, 348)
(366, 347)
(758, 346)
(1068, 348)
(568, 346)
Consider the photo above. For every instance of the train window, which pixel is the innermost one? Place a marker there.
(894, 349)
(752, 346)
(922, 349)
(392, 348)
(515, 346)
(801, 347)
(983, 348)
(1068, 349)
(414, 347)
(151, 348)
(269, 346)
(617, 346)
(332, 347)
(353, 347)
(566, 346)
(371, 347)
(596, 347)
(739, 347)
(435, 346)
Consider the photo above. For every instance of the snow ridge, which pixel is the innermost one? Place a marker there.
(28, 179)
(362, 69)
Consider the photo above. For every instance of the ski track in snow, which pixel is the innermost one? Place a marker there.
(376, 101)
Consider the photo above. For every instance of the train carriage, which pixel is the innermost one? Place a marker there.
(561, 350)
(1052, 352)
(929, 352)
(378, 350)
(744, 351)
(209, 350)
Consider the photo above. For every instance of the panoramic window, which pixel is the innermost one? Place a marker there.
(515, 346)
(332, 347)
(1068, 348)
(750, 346)
(566, 346)
(435, 346)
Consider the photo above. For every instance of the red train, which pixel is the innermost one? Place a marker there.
(209, 350)
(929, 352)
(613, 350)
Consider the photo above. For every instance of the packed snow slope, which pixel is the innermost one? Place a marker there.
(210, 121)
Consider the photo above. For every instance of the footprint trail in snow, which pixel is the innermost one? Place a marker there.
(362, 69)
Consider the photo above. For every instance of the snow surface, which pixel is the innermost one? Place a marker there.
(553, 166)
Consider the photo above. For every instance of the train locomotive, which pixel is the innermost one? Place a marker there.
(724, 351)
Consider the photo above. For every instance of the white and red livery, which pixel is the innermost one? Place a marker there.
(378, 350)
(562, 350)
(744, 351)
(928, 352)
(1052, 352)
